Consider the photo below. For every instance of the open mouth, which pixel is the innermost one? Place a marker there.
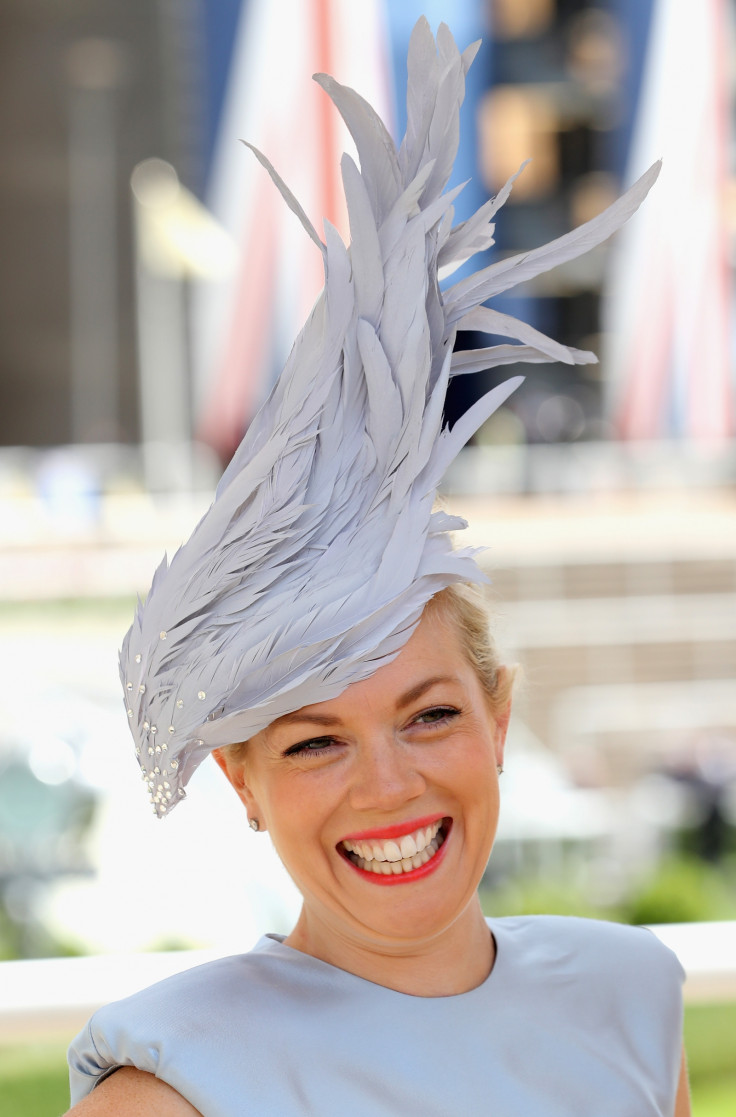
(394, 860)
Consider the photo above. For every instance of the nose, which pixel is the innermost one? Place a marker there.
(385, 775)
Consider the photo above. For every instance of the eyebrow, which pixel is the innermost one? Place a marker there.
(417, 691)
(313, 719)
(403, 700)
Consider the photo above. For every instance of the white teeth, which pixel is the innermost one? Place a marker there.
(408, 852)
(408, 845)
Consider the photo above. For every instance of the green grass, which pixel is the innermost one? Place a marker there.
(710, 1041)
(33, 1080)
(715, 1097)
(33, 1077)
(710, 1038)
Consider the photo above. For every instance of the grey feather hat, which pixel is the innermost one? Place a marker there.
(312, 566)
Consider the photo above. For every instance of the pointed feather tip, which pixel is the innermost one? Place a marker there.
(421, 26)
(469, 54)
(649, 177)
(324, 80)
(522, 167)
(332, 232)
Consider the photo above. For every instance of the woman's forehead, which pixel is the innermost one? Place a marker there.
(427, 660)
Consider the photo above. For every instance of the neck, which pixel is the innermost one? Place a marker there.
(457, 960)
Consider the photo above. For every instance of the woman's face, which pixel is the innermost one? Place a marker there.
(383, 802)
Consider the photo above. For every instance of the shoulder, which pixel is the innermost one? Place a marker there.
(588, 947)
(159, 1028)
(202, 987)
(590, 973)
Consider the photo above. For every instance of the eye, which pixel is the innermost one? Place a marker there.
(437, 715)
(315, 746)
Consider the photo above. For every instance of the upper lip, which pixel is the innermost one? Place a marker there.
(395, 830)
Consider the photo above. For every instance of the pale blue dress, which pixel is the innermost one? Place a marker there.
(577, 1019)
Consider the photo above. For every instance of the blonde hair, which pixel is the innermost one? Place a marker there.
(464, 607)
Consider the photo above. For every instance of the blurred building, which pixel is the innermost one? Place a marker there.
(92, 89)
(89, 89)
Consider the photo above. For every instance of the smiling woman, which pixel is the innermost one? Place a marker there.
(400, 788)
(321, 616)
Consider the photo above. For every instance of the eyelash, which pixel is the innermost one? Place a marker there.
(303, 748)
(447, 713)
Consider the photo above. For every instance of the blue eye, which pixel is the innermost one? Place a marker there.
(313, 746)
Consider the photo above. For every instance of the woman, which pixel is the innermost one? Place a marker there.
(320, 616)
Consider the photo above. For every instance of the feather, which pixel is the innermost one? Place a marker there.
(286, 194)
(517, 269)
(321, 548)
(475, 234)
(476, 360)
(376, 150)
(423, 72)
(365, 249)
(485, 320)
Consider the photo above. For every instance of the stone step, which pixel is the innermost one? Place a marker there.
(631, 578)
(627, 621)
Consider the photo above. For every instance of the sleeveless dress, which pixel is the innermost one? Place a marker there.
(578, 1018)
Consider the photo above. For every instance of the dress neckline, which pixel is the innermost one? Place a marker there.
(275, 945)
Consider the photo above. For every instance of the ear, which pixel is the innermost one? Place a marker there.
(233, 765)
(501, 718)
(502, 725)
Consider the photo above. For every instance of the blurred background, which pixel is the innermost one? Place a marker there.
(152, 282)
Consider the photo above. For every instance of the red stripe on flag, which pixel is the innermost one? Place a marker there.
(328, 152)
(239, 379)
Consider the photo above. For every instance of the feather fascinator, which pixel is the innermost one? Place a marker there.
(313, 564)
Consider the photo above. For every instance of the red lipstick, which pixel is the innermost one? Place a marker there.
(397, 830)
(403, 877)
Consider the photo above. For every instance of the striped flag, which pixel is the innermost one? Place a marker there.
(668, 302)
(244, 325)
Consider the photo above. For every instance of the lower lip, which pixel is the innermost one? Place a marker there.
(404, 878)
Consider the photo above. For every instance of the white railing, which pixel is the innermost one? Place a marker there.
(55, 996)
(707, 952)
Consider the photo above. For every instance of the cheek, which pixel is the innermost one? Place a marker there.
(297, 805)
(475, 749)
(475, 771)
